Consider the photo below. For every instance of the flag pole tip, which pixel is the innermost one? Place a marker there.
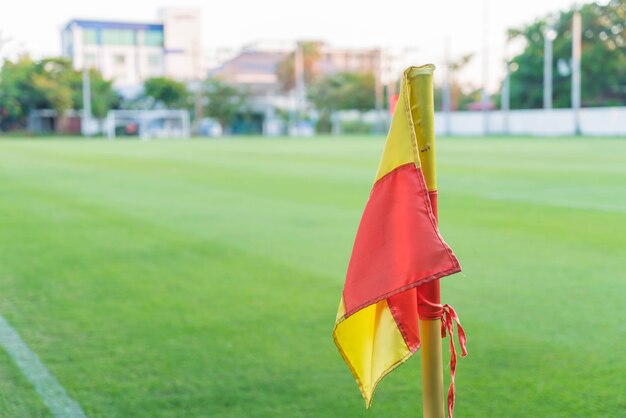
(427, 69)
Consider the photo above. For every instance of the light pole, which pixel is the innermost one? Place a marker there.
(378, 90)
(576, 52)
(484, 100)
(506, 96)
(3, 41)
(505, 99)
(446, 99)
(85, 123)
(299, 85)
(549, 36)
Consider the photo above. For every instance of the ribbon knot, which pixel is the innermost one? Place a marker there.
(448, 318)
(429, 310)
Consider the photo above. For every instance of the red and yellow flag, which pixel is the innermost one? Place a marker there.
(397, 248)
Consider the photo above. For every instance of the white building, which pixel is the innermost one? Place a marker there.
(130, 52)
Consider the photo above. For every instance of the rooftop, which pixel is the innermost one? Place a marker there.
(114, 24)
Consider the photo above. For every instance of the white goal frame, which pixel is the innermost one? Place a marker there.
(161, 123)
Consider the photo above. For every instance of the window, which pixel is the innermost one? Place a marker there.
(90, 60)
(90, 36)
(153, 38)
(154, 60)
(118, 37)
(119, 59)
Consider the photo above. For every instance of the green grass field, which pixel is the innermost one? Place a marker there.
(201, 278)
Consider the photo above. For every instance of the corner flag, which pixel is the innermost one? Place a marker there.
(398, 250)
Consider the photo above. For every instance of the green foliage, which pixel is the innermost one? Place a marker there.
(103, 96)
(357, 126)
(603, 61)
(168, 92)
(50, 83)
(461, 95)
(17, 95)
(343, 91)
(324, 124)
(286, 68)
(223, 101)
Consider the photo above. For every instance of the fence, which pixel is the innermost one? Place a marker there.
(599, 121)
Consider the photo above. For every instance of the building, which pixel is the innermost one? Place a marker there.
(255, 66)
(182, 28)
(130, 52)
(254, 69)
(334, 60)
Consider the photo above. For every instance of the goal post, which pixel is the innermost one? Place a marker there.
(148, 124)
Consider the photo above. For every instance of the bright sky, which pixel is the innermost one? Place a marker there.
(417, 26)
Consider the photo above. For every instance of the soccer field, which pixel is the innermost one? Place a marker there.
(201, 278)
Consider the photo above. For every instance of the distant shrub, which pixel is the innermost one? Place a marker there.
(356, 127)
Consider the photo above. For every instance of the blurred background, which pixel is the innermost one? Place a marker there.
(265, 69)
(180, 188)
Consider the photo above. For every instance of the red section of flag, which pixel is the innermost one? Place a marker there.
(397, 246)
(403, 307)
(393, 102)
(430, 291)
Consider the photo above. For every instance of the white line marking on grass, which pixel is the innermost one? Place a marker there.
(48, 388)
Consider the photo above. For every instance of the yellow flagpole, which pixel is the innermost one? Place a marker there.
(432, 369)
(423, 115)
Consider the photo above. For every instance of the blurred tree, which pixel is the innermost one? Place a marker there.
(342, 91)
(103, 96)
(17, 94)
(603, 62)
(223, 101)
(166, 91)
(461, 95)
(50, 83)
(286, 72)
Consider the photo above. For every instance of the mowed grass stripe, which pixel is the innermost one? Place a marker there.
(72, 210)
(204, 209)
(200, 279)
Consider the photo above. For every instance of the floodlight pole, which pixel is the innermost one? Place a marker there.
(505, 102)
(485, 95)
(548, 37)
(3, 41)
(299, 84)
(505, 99)
(85, 124)
(446, 99)
(576, 55)
(378, 90)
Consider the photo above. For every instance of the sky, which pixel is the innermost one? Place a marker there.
(418, 29)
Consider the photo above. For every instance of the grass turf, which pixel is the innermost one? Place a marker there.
(201, 278)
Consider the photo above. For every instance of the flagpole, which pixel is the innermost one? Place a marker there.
(432, 368)
(430, 329)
